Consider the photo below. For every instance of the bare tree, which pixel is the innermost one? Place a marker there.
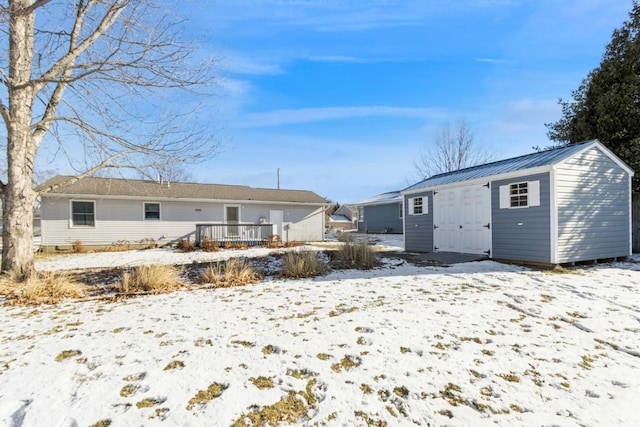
(453, 148)
(170, 172)
(90, 80)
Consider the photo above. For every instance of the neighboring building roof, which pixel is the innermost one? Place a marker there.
(339, 218)
(117, 187)
(528, 161)
(381, 199)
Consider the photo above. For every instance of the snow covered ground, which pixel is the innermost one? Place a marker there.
(475, 344)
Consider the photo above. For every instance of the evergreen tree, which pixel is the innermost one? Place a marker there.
(606, 105)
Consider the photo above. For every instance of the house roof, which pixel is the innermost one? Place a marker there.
(521, 163)
(339, 218)
(117, 187)
(381, 199)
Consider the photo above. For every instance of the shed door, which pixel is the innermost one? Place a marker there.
(462, 219)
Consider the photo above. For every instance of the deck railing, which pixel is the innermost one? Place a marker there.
(251, 234)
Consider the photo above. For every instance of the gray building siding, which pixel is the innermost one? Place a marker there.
(381, 219)
(593, 208)
(418, 236)
(522, 234)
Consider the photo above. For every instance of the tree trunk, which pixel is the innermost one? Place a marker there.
(18, 195)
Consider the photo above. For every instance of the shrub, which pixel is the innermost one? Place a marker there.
(233, 272)
(77, 247)
(299, 264)
(185, 245)
(42, 288)
(274, 241)
(155, 278)
(356, 255)
(209, 245)
(236, 245)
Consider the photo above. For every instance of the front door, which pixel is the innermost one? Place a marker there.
(231, 217)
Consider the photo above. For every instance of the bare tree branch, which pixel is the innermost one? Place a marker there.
(92, 81)
(453, 148)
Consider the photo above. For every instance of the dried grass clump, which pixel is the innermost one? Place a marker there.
(185, 245)
(209, 245)
(345, 237)
(41, 288)
(300, 264)
(236, 245)
(233, 272)
(77, 247)
(356, 255)
(119, 246)
(273, 241)
(155, 278)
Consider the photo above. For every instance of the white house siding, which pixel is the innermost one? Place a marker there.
(593, 208)
(300, 223)
(117, 219)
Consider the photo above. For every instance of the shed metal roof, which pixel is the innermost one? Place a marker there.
(380, 199)
(527, 161)
(117, 187)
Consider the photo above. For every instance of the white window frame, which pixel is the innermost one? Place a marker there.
(521, 195)
(401, 205)
(533, 195)
(72, 223)
(360, 214)
(424, 205)
(144, 211)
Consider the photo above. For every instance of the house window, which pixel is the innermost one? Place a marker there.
(401, 210)
(360, 214)
(519, 195)
(152, 211)
(417, 206)
(83, 214)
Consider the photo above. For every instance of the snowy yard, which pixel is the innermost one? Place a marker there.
(479, 343)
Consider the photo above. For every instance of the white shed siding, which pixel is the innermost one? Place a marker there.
(118, 219)
(592, 195)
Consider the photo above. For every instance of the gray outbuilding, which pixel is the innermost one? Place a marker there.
(381, 214)
(557, 206)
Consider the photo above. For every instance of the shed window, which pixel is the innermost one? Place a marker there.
(83, 214)
(519, 195)
(401, 210)
(152, 211)
(416, 206)
(523, 194)
(360, 214)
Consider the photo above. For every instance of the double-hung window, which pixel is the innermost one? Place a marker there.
(152, 211)
(519, 195)
(523, 194)
(416, 206)
(83, 213)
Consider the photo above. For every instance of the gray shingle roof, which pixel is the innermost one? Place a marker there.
(528, 161)
(91, 186)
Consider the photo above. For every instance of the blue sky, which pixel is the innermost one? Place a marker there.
(341, 95)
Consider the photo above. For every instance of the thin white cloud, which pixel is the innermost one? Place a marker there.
(340, 15)
(309, 115)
